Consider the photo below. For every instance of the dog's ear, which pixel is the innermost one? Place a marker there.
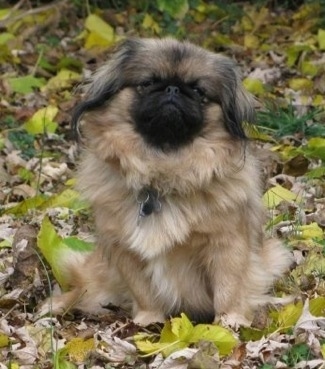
(105, 82)
(237, 104)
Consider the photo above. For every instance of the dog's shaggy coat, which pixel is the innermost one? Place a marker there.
(204, 252)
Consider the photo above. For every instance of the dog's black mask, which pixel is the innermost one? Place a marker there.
(168, 113)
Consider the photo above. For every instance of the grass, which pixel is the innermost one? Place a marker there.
(288, 122)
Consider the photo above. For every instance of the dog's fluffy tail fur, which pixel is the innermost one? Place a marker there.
(274, 261)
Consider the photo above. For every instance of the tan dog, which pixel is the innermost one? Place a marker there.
(174, 188)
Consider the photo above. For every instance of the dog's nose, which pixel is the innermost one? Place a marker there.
(172, 90)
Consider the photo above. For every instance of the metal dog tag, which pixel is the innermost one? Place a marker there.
(148, 200)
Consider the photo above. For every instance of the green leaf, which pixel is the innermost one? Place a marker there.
(25, 85)
(42, 121)
(316, 173)
(221, 337)
(179, 333)
(176, 9)
(24, 206)
(55, 249)
(76, 244)
(52, 248)
(251, 334)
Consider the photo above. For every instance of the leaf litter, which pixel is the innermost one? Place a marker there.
(45, 51)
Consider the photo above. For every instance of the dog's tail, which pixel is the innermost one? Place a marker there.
(276, 258)
(272, 262)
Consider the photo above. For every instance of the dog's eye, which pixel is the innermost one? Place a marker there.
(198, 90)
(149, 82)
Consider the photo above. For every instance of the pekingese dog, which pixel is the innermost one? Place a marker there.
(174, 187)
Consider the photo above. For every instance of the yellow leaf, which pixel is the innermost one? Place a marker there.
(181, 327)
(254, 85)
(97, 26)
(5, 12)
(42, 121)
(317, 306)
(64, 79)
(148, 347)
(251, 41)
(78, 349)
(247, 23)
(323, 351)
(222, 40)
(310, 231)
(94, 40)
(67, 198)
(309, 68)
(321, 39)
(275, 195)
(149, 23)
(288, 315)
(4, 340)
(179, 333)
(318, 100)
(300, 84)
(221, 337)
(294, 51)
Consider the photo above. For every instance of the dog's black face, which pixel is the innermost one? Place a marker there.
(168, 113)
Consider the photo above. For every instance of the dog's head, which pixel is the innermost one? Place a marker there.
(168, 93)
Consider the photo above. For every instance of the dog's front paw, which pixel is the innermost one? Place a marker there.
(233, 320)
(54, 305)
(146, 317)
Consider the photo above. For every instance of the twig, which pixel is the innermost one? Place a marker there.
(41, 9)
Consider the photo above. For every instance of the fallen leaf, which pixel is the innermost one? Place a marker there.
(275, 195)
(42, 121)
(26, 84)
(321, 39)
(253, 85)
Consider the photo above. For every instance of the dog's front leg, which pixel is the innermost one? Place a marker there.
(229, 268)
(145, 307)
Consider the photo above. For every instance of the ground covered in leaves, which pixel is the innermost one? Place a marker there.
(46, 48)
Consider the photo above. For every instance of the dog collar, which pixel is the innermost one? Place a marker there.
(148, 200)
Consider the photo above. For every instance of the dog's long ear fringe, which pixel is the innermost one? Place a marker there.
(88, 105)
(105, 82)
(237, 104)
(237, 110)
